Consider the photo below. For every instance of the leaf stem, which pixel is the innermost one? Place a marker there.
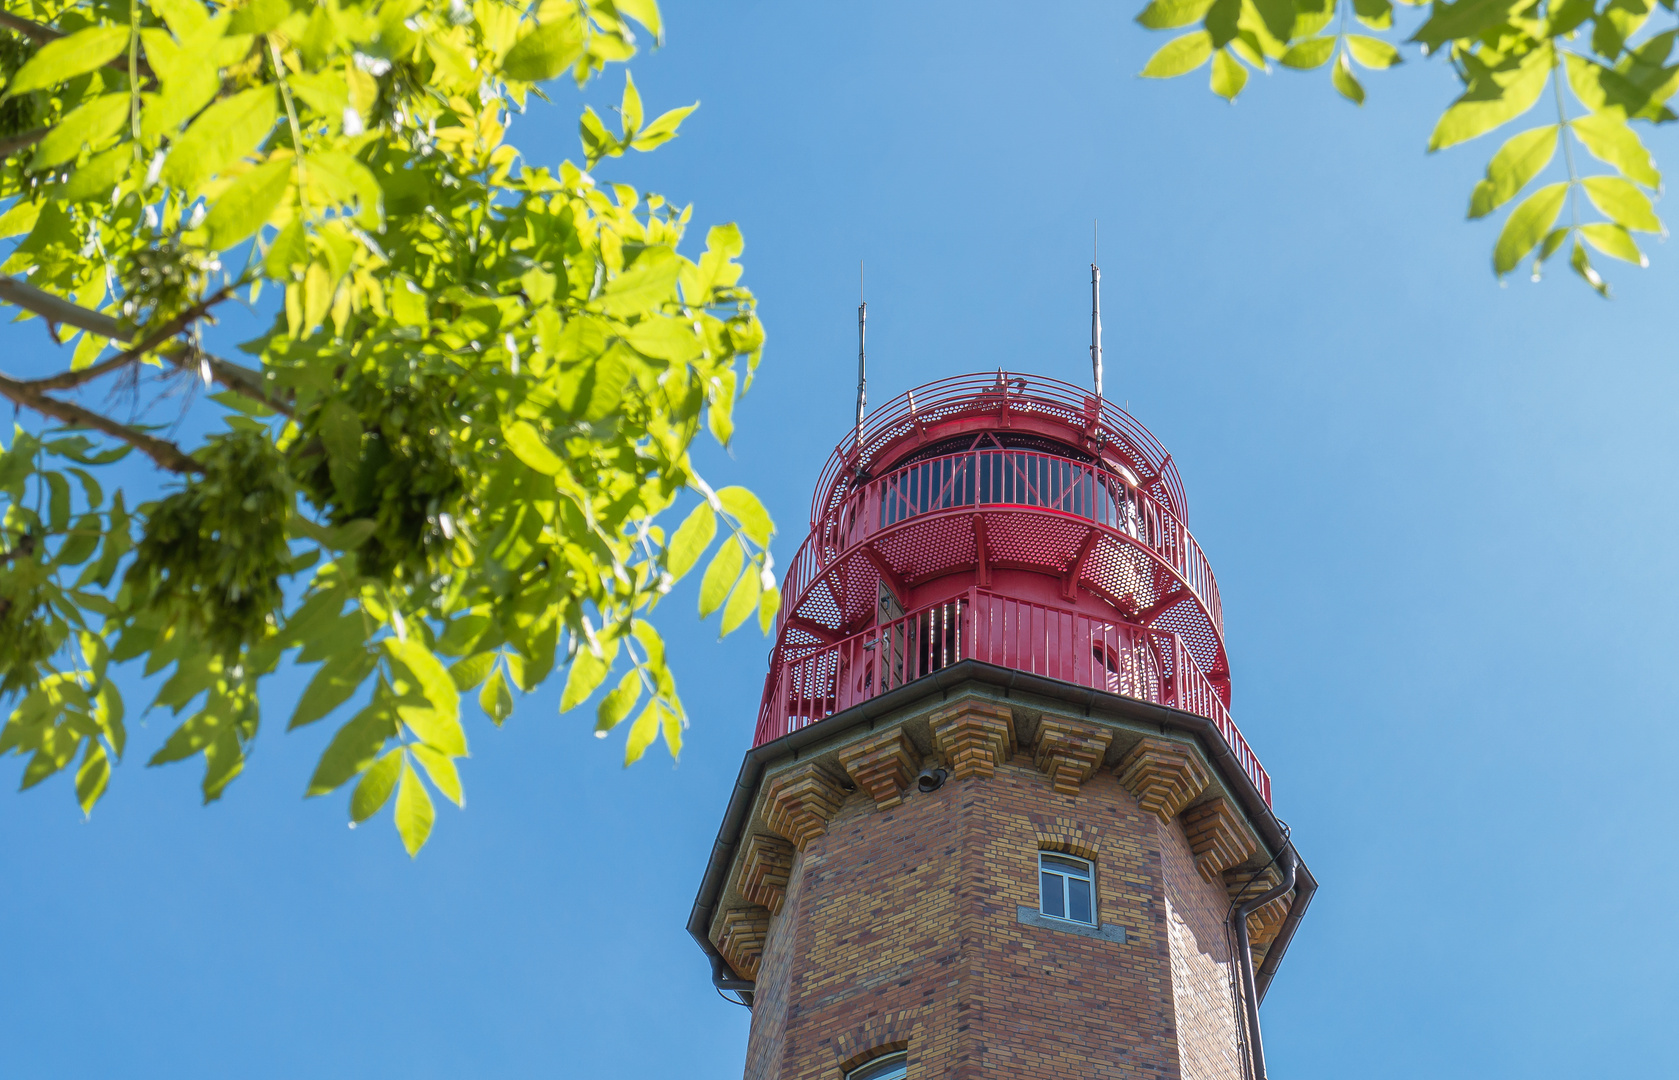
(1567, 134)
(296, 129)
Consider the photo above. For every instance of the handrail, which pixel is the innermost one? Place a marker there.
(1004, 478)
(1059, 643)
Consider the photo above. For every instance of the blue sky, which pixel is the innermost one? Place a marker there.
(1440, 512)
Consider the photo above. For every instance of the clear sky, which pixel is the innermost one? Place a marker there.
(1441, 513)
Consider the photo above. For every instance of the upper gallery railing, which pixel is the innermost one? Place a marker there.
(1003, 478)
(1072, 646)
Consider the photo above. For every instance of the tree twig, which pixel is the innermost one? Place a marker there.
(165, 453)
(66, 380)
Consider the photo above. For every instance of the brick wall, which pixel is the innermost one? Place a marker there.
(903, 925)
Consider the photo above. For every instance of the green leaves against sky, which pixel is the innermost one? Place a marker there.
(1590, 68)
(444, 470)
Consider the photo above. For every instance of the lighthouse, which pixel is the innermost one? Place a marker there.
(997, 819)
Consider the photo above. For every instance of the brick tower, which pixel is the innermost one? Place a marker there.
(997, 820)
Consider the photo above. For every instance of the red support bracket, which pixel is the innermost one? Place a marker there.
(894, 582)
(982, 556)
(1070, 580)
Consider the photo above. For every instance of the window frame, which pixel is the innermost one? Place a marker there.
(898, 1058)
(1063, 877)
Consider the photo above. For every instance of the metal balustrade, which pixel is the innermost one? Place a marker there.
(1004, 478)
(1072, 646)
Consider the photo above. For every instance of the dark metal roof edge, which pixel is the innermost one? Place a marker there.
(943, 681)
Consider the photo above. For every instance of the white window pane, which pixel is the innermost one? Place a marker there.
(891, 1067)
(1065, 865)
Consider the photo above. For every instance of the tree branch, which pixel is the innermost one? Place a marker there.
(66, 380)
(41, 35)
(241, 380)
(10, 146)
(56, 309)
(165, 453)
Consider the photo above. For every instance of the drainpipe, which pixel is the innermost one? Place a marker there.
(1250, 996)
(724, 979)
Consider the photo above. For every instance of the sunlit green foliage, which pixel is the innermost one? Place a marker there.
(441, 472)
(1602, 64)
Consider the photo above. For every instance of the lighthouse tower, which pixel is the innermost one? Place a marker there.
(997, 820)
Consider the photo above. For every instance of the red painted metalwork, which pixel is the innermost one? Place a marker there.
(1009, 519)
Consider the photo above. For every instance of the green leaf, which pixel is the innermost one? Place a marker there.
(1518, 161)
(91, 778)
(1343, 79)
(1373, 52)
(748, 513)
(1465, 19)
(414, 812)
(224, 759)
(495, 698)
(743, 602)
(1601, 89)
(663, 128)
(1611, 141)
(473, 670)
(242, 208)
(629, 106)
(645, 12)
(1180, 55)
(70, 56)
(440, 770)
(1376, 14)
(375, 787)
(720, 576)
(644, 731)
(1615, 242)
(769, 605)
(1492, 100)
(1583, 266)
(616, 705)
(691, 539)
(353, 748)
(546, 51)
(587, 672)
(1310, 53)
(225, 132)
(337, 679)
(93, 179)
(1171, 14)
(1527, 225)
(527, 445)
(88, 125)
(432, 676)
(1228, 78)
(1622, 202)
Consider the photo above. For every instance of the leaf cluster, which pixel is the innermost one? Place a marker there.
(442, 469)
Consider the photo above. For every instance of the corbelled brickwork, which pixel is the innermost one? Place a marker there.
(898, 927)
(765, 866)
(740, 938)
(1243, 885)
(1165, 776)
(975, 736)
(882, 765)
(1069, 751)
(1219, 837)
(798, 803)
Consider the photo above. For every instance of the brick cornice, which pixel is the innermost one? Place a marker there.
(1070, 751)
(741, 936)
(765, 868)
(974, 736)
(799, 802)
(1219, 838)
(882, 765)
(1243, 885)
(1164, 776)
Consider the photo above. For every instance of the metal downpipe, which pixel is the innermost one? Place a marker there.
(1250, 995)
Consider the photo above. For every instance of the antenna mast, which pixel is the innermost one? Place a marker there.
(862, 374)
(1096, 311)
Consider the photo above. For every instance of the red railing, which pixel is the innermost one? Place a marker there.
(1117, 657)
(1004, 478)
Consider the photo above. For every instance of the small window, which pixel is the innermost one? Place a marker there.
(893, 1066)
(1066, 887)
